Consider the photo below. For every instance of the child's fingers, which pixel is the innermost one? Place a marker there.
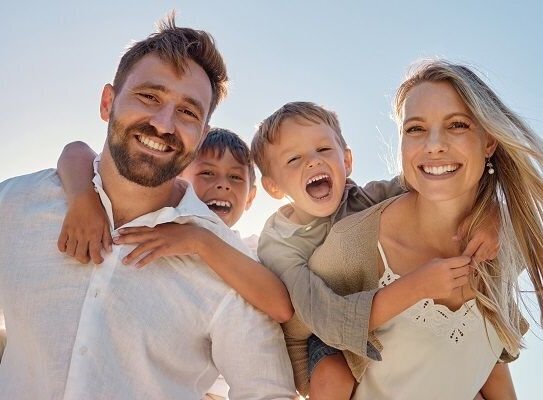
(62, 239)
(152, 256)
(71, 245)
(135, 229)
(95, 248)
(106, 239)
(134, 238)
(82, 252)
(139, 251)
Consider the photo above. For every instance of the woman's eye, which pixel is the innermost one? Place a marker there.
(459, 125)
(413, 129)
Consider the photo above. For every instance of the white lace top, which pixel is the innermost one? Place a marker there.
(431, 352)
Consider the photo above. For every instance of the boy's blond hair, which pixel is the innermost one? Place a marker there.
(268, 130)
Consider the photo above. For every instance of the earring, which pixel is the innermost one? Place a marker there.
(490, 166)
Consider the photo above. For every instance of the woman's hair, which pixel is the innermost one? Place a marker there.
(516, 188)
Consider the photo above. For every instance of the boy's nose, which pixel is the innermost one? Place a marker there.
(314, 162)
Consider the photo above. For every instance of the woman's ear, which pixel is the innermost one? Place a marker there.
(491, 144)
(271, 187)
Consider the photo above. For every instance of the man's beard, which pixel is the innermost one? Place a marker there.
(144, 169)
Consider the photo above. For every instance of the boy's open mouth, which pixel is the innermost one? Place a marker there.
(319, 186)
(219, 206)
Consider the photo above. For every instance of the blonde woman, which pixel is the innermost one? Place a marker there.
(462, 150)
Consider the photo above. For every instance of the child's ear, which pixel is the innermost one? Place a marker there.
(348, 160)
(271, 187)
(250, 197)
(106, 102)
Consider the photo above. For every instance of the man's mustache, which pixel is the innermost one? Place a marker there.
(148, 130)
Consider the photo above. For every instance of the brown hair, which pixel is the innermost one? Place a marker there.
(218, 140)
(176, 46)
(268, 130)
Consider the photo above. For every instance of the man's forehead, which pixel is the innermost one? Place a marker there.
(155, 73)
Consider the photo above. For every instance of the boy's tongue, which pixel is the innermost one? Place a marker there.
(318, 189)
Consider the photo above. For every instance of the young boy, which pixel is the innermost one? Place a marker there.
(223, 177)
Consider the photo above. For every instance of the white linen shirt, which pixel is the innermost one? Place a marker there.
(111, 331)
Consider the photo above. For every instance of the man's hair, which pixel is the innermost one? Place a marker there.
(268, 130)
(219, 140)
(176, 46)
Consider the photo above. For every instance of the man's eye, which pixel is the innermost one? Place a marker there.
(188, 112)
(147, 96)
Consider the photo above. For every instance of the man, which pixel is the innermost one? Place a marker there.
(113, 332)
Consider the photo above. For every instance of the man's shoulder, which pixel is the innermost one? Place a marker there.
(30, 182)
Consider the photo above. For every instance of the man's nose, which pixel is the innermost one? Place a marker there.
(163, 120)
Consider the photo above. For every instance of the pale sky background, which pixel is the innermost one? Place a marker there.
(347, 55)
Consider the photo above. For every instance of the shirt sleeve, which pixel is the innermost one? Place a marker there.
(249, 350)
(339, 321)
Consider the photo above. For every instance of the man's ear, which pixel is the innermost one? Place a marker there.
(106, 102)
(271, 187)
(348, 160)
(250, 197)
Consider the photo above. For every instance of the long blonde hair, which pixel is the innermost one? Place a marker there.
(516, 188)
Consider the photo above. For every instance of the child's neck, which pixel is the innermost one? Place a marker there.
(298, 216)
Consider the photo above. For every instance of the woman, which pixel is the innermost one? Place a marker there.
(463, 152)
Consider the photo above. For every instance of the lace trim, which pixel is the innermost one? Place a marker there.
(442, 321)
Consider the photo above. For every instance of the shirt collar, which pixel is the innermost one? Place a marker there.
(286, 228)
(189, 209)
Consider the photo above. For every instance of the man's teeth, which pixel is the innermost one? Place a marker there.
(317, 178)
(220, 203)
(442, 169)
(152, 144)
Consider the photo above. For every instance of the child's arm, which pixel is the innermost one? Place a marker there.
(255, 283)
(86, 227)
(499, 384)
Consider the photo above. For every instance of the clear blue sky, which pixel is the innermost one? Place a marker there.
(347, 55)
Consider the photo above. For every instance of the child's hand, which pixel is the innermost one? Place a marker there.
(85, 229)
(484, 243)
(438, 278)
(163, 240)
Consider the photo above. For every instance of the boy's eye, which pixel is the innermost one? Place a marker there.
(293, 159)
(236, 178)
(206, 173)
(321, 149)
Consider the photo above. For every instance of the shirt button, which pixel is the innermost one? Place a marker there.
(308, 227)
(83, 350)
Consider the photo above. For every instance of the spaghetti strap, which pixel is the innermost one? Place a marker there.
(382, 253)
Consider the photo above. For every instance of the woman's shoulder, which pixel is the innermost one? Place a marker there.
(365, 220)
